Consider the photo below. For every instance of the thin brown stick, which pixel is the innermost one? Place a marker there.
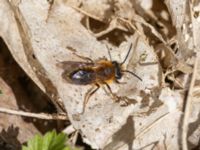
(34, 115)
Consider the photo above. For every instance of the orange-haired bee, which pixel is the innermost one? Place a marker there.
(97, 73)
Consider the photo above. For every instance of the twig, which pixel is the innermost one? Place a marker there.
(34, 115)
(188, 107)
(69, 130)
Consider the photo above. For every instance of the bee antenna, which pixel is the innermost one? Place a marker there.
(109, 52)
(126, 55)
(127, 71)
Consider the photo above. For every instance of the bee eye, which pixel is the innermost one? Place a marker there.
(118, 74)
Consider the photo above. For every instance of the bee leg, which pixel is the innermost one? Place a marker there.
(114, 96)
(120, 82)
(84, 58)
(89, 93)
(126, 101)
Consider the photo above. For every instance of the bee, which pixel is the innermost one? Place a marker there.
(96, 73)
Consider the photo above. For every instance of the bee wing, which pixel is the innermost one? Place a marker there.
(73, 65)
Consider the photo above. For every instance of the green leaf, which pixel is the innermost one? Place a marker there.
(50, 141)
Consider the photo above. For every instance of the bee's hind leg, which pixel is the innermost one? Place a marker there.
(88, 95)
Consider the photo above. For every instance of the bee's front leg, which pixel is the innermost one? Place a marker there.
(125, 100)
(114, 96)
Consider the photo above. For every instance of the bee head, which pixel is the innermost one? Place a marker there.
(118, 72)
(118, 67)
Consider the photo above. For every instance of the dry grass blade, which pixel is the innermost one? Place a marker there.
(187, 109)
(34, 115)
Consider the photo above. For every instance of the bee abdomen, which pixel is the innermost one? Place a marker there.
(83, 77)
